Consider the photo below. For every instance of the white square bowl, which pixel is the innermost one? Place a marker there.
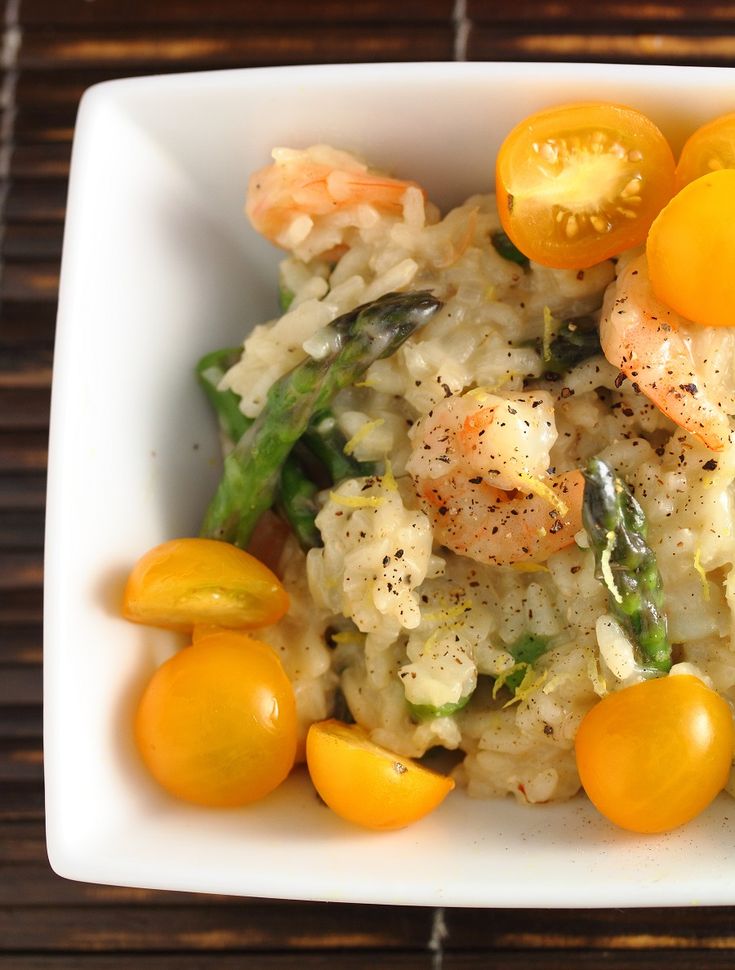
(160, 266)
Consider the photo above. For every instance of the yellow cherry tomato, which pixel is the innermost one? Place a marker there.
(579, 183)
(367, 784)
(709, 149)
(185, 582)
(691, 251)
(653, 756)
(216, 724)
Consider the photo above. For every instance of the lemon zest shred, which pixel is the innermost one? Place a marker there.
(449, 613)
(702, 574)
(593, 672)
(549, 332)
(429, 643)
(505, 674)
(530, 685)
(539, 487)
(388, 479)
(607, 573)
(347, 636)
(361, 433)
(357, 501)
(529, 567)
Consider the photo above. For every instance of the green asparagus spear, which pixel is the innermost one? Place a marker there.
(616, 527)
(296, 491)
(297, 502)
(252, 468)
(326, 442)
(508, 250)
(210, 371)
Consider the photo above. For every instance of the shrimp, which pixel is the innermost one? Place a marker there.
(653, 346)
(305, 199)
(479, 465)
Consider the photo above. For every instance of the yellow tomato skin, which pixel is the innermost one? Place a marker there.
(653, 756)
(579, 183)
(216, 724)
(367, 784)
(186, 582)
(691, 251)
(709, 149)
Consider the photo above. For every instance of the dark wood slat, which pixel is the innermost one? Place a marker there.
(585, 960)
(22, 491)
(628, 929)
(21, 643)
(244, 926)
(37, 200)
(21, 570)
(38, 162)
(216, 47)
(21, 801)
(623, 13)
(21, 606)
(27, 367)
(26, 325)
(21, 759)
(20, 686)
(22, 721)
(23, 450)
(230, 12)
(31, 282)
(674, 48)
(22, 842)
(24, 407)
(33, 241)
(299, 960)
(21, 527)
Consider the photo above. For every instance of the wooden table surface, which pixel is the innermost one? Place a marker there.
(52, 50)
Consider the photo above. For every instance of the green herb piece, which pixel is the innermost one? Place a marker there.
(508, 250)
(426, 712)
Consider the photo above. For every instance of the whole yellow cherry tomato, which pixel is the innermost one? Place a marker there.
(367, 784)
(216, 724)
(691, 251)
(709, 149)
(579, 183)
(653, 756)
(185, 582)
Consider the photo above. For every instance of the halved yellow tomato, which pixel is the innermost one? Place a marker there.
(710, 149)
(653, 756)
(216, 724)
(367, 784)
(579, 183)
(691, 251)
(185, 582)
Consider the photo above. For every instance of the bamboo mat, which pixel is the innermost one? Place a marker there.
(52, 50)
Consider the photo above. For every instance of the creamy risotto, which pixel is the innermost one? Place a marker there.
(453, 600)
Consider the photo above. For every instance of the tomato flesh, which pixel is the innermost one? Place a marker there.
(710, 149)
(216, 724)
(367, 784)
(653, 756)
(185, 582)
(579, 183)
